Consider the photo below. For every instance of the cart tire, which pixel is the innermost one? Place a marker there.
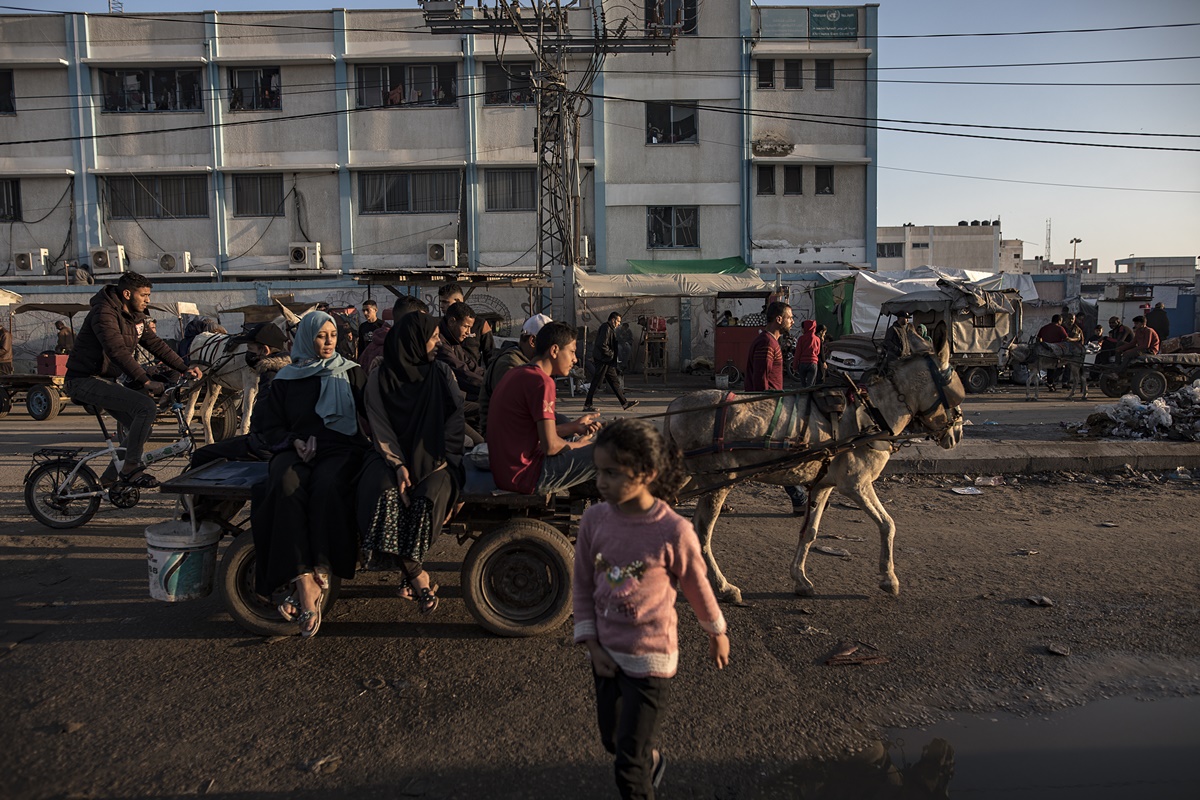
(1148, 384)
(733, 373)
(235, 582)
(976, 380)
(226, 416)
(6, 402)
(516, 579)
(42, 403)
(1111, 384)
(43, 482)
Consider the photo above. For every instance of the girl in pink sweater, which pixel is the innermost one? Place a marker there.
(629, 553)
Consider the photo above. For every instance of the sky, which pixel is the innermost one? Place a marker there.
(1118, 201)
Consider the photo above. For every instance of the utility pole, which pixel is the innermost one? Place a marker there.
(1075, 254)
(546, 31)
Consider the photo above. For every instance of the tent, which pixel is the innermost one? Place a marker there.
(667, 285)
(8, 298)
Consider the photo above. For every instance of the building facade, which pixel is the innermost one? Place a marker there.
(250, 145)
(976, 245)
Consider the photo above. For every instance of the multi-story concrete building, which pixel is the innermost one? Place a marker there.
(264, 144)
(1040, 266)
(971, 245)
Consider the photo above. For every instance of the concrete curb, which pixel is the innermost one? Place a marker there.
(999, 457)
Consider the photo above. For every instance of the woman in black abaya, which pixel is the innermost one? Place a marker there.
(416, 413)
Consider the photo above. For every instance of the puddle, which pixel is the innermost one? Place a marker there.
(1117, 748)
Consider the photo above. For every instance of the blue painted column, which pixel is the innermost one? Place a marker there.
(471, 119)
(599, 182)
(87, 209)
(871, 14)
(745, 30)
(342, 94)
(216, 117)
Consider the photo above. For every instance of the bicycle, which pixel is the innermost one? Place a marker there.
(62, 489)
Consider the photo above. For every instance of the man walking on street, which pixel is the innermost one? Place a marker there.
(371, 323)
(105, 350)
(1156, 320)
(66, 339)
(6, 351)
(764, 373)
(604, 364)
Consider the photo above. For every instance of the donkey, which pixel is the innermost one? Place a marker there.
(848, 436)
(225, 367)
(1043, 356)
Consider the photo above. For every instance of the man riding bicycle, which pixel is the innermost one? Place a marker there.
(105, 349)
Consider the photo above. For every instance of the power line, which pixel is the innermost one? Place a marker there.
(1041, 183)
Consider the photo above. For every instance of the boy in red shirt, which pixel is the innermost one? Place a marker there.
(528, 450)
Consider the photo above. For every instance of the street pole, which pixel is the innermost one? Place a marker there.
(1075, 254)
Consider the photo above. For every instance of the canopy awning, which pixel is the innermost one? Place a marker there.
(65, 309)
(8, 298)
(733, 265)
(688, 285)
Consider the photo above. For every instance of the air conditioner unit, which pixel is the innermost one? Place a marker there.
(108, 260)
(441, 253)
(304, 255)
(175, 262)
(34, 263)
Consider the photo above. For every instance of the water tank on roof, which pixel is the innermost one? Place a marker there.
(974, 223)
(962, 222)
(995, 222)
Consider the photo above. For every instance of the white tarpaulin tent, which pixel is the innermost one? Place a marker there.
(666, 285)
(8, 298)
(873, 289)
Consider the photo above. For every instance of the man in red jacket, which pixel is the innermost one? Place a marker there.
(1145, 342)
(105, 350)
(808, 353)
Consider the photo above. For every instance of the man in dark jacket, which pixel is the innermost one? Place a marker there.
(455, 328)
(105, 350)
(1156, 319)
(604, 364)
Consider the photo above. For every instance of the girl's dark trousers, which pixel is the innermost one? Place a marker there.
(628, 710)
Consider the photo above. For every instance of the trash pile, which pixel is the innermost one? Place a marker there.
(1172, 416)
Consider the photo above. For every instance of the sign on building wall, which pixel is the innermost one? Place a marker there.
(833, 23)
(783, 23)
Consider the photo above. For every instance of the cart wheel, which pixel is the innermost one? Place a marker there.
(516, 579)
(976, 380)
(1148, 384)
(6, 402)
(1111, 385)
(235, 581)
(226, 416)
(43, 500)
(733, 373)
(42, 403)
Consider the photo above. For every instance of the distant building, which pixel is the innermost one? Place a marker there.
(1040, 266)
(975, 245)
(1154, 269)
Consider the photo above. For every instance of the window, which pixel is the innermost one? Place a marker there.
(407, 84)
(983, 320)
(507, 85)
(671, 123)
(680, 14)
(673, 226)
(8, 103)
(138, 90)
(511, 189)
(824, 74)
(791, 180)
(254, 89)
(258, 195)
(766, 179)
(424, 192)
(158, 197)
(889, 250)
(824, 180)
(766, 73)
(920, 245)
(792, 76)
(10, 200)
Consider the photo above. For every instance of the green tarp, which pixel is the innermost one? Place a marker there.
(706, 266)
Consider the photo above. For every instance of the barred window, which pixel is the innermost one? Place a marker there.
(148, 90)
(10, 200)
(507, 84)
(258, 195)
(158, 197)
(407, 85)
(889, 250)
(673, 226)
(254, 89)
(511, 189)
(416, 192)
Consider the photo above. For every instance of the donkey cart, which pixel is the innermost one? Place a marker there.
(516, 577)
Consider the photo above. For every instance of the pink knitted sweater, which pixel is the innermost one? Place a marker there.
(626, 568)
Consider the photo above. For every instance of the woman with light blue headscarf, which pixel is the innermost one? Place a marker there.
(304, 523)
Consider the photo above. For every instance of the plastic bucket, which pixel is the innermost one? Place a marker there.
(722, 381)
(182, 559)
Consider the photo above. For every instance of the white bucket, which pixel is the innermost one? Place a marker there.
(182, 559)
(722, 381)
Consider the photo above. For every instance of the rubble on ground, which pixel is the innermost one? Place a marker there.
(1172, 416)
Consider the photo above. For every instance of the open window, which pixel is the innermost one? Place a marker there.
(508, 85)
(408, 85)
(151, 90)
(253, 89)
(671, 123)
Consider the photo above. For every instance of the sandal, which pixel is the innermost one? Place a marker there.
(289, 608)
(427, 601)
(304, 618)
(140, 479)
(406, 592)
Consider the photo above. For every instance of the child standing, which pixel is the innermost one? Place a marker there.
(629, 553)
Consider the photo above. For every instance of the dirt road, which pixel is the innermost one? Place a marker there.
(111, 694)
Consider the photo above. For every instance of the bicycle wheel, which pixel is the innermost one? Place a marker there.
(42, 490)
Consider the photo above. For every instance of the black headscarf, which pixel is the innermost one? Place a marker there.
(419, 400)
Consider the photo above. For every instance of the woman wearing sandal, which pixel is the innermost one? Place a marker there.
(303, 523)
(411, 483)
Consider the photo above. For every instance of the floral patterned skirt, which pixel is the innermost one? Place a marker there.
(398, 533)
